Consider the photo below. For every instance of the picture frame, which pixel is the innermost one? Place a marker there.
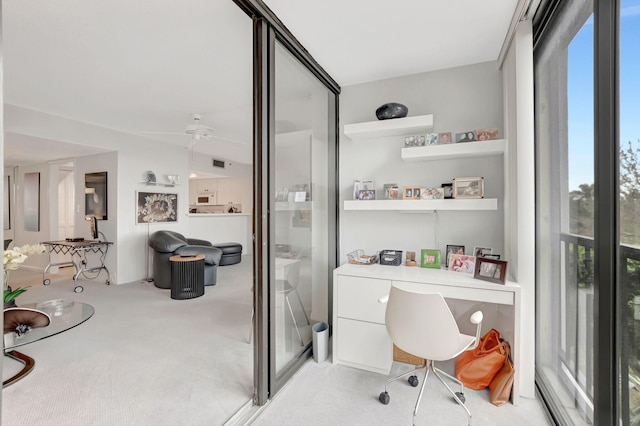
(367, 194)
(468, 136)
(453, 249)
(357, 186)
(492, 256)
(491, 270)
(390, 191)
(96, 195)
(31, 201)
(462, 263)
(468, 187)
(432, 139)
(481, 251)
(412, 141)
(156, 207)
(411, 192)
(432, 194)
(151, 177)
(430, 258)
(448, 190)
(486, 134)
(444, 138)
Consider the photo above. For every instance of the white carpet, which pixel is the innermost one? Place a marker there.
(142, 359)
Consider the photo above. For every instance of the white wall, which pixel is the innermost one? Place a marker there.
(463, 98)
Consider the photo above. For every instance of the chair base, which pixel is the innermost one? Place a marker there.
(384, 397)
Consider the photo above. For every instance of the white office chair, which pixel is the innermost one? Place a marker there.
(290, 285)
(422, 325)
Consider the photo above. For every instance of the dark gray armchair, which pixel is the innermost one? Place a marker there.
(169, 243)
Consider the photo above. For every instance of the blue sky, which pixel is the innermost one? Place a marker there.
(580, 92)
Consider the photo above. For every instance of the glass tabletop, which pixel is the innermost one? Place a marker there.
(64, 314)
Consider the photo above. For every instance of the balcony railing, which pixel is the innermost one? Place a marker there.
(577, 315)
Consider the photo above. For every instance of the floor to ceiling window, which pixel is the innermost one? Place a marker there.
(588, 211)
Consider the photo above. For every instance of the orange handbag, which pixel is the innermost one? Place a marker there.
(476, 368)
(502, 383)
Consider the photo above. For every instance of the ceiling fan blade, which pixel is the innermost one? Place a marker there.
(227, 139)
(161, 133)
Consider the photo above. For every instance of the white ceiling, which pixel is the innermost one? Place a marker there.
(146, 65)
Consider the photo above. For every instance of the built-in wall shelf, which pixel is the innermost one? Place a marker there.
(292, 205)
(422, 205)
(393, 127)
(159, 184)
(454, 150)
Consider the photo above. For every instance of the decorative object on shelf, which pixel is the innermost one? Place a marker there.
(491, 270)
(411, 192)
(468, 136)
(468, 187)
(492, 256)
(481, 251)
(367, 194)
(358, 257)
(453, 249)
(390, 191)
(462, 263)
(432, 194)
(410, 141)
(151, 177)
(391, 257)
(411, 258)
(173, 179)
(154, 207)
(432, 139)
(363, 185)
(430, 258)
(444, 138)
(447, 188)
(486, 134)
(391, 110)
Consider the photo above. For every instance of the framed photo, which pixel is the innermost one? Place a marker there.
(492, 256)
(155, 207)
(367, 184)
(411, 192)
(486, 134)
(432, 193)
(462, 263)
(390, 191)
(470, 187)
(430, 258)
(432, 139)
(491, 270)
(452, 249)
(411, 141)
(444, 138)
(367, 194)
(481, 251)
(357, 186)
(448, 190)
(468, 136)
(151, 177)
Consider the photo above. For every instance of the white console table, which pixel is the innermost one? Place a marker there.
(360, 337)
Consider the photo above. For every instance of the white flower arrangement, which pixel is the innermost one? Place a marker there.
(12, 258)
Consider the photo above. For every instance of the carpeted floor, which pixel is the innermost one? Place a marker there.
(142, 359)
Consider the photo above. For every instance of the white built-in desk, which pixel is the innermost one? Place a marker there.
(360, 337)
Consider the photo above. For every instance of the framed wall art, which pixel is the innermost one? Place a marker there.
(453, 249)
(155, 207)
(32, 202)
(462, 263)
(468, 187)
(430, 258)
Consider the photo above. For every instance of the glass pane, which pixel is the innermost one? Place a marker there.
(301, 219)
(565, 176)
(629, 277)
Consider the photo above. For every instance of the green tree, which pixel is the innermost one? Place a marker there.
(581, 210)
(630, 194)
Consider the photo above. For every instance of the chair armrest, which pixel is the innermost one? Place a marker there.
(212, 255)
(384, 299)
(477, 317)
(198, 242)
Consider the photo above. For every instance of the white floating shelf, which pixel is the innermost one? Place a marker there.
(454, 150)
(393, 127)
(168, 185)
(423, 205)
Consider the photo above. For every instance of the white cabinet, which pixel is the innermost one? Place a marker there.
(207, 185)
(230, 191)
(193, 192)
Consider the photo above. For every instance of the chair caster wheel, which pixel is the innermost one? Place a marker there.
(384, 398)
(460, 396)
(413, 381)
(78, 289)
(46, 281)
(108, 282)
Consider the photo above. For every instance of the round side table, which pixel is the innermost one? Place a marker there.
(187, 276)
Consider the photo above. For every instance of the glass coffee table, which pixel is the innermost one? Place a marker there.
(64, 314)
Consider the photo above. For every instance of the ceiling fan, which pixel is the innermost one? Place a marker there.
(198, 131)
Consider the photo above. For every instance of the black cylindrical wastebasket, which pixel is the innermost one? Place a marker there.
(187, 276)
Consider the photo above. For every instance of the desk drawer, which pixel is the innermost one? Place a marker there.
(358, 298)
(465, 293)
(364, 345)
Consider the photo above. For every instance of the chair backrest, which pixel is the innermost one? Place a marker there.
(422, 324)
(293, 274)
